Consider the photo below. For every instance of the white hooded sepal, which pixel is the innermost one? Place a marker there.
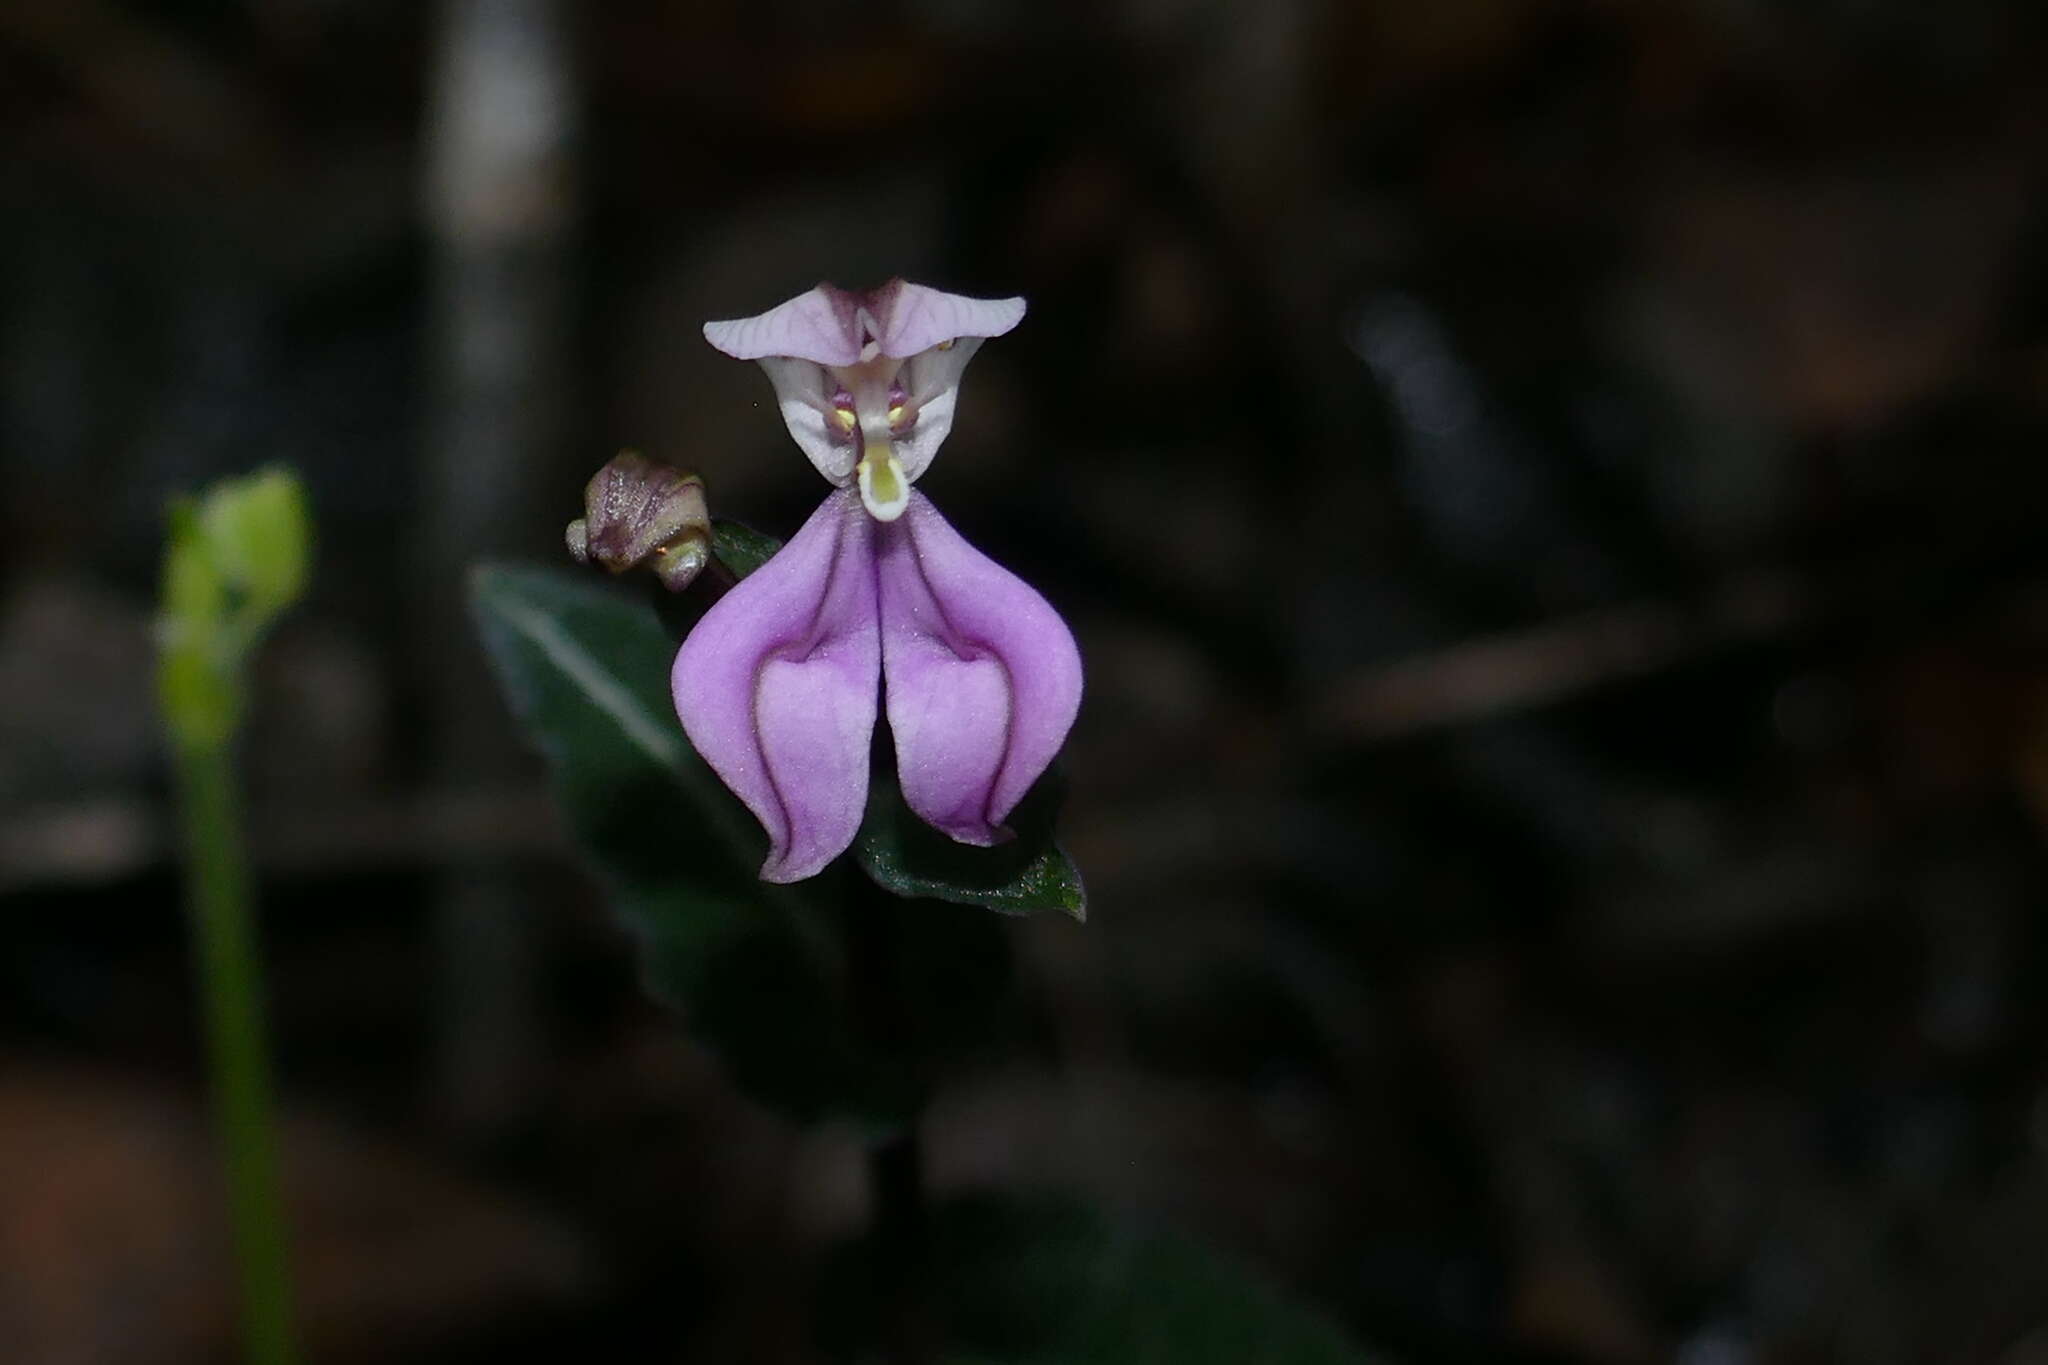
(803, 392)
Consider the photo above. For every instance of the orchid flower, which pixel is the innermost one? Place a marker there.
(777, 687)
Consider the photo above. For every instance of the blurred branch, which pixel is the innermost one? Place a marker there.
(96, 842)
(1495, 674)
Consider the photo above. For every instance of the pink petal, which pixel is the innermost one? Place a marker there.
(911, 318)
(981, 674)
(776, 688)
(821, 325)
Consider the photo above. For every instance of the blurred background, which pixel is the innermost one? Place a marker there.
(1550, 493)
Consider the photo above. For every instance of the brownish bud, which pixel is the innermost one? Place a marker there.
(638, 512)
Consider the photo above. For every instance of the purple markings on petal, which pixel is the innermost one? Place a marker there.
(913, 318)
(982, 676)
(776, 688)
(818, 325)
(829, 325)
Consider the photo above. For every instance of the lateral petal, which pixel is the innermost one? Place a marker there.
(776, 688)
(819, 325)
(982, 678)
(803, 393)
(912, 318)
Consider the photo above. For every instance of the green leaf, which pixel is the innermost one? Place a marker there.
(763, 974)
(1028, 874)
(1050, 1282)
(587, 674)
(741, 548)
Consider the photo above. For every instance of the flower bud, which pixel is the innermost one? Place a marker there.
(234, 560)
(638, 512)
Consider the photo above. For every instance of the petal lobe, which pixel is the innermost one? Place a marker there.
(817, 325)
(776, 688)
(982, 677)
(914, 318)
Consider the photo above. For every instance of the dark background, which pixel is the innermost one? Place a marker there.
(1550, 494)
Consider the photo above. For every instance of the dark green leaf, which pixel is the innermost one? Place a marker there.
(587, 674)
(766, 975)
(750, 966)
(1028, 874)
(741, 548)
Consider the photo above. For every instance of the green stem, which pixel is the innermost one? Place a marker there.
(231, 996)
(896, 1177)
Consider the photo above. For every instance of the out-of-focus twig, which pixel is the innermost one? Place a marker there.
(94, 843)
(1500, 673)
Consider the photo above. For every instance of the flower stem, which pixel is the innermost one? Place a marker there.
(896, 1182)
(895, 1166)
(230, 994)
